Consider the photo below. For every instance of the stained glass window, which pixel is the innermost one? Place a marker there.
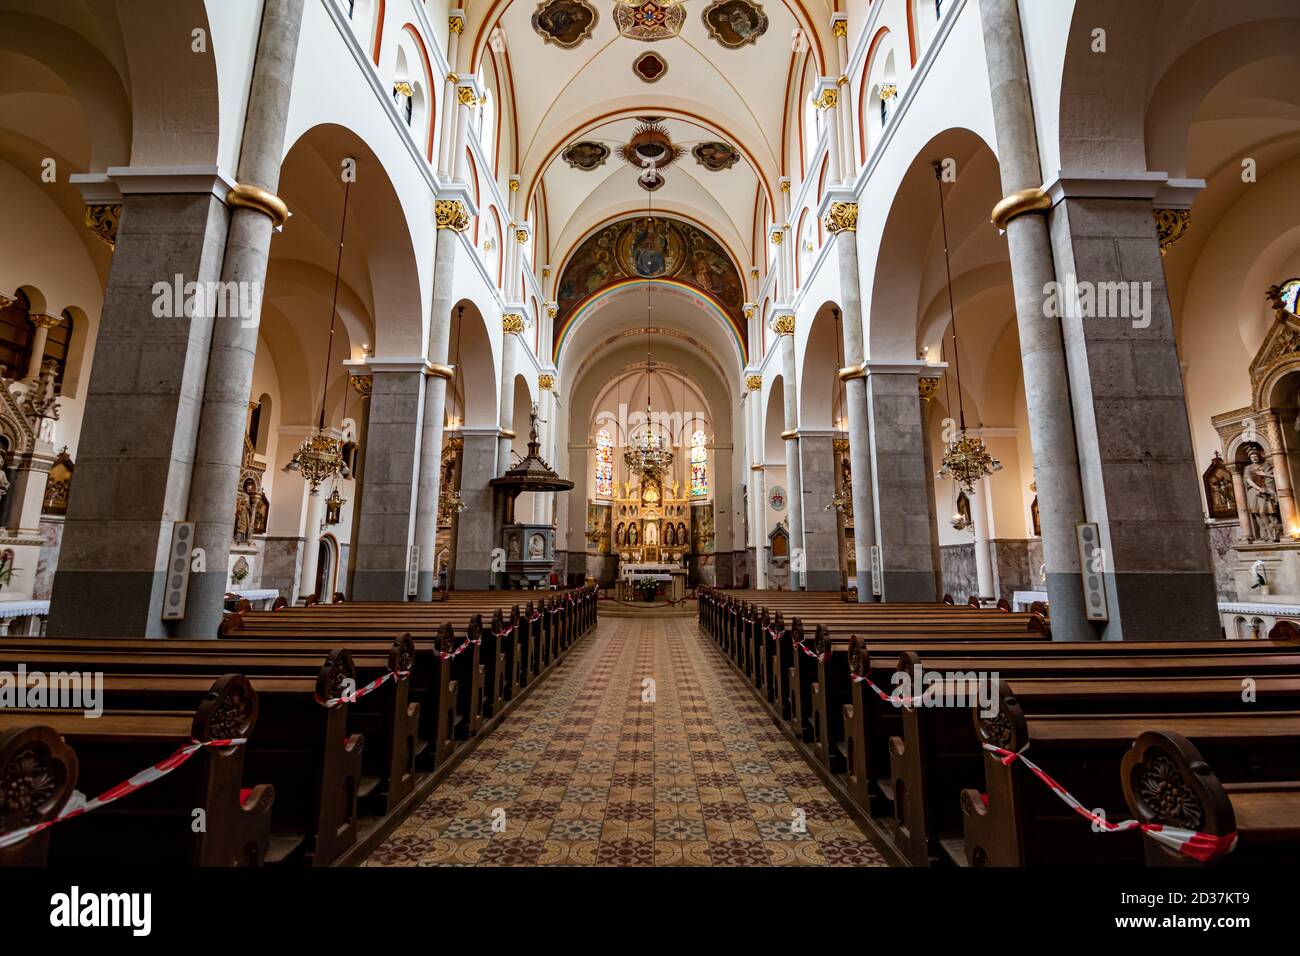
(699, 466)
(1291, 297)
(604, 465)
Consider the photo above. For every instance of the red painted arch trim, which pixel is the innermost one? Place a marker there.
(428, 82)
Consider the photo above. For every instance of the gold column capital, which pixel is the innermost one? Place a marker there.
(521, 236)
(552, 311)
(839, 444)
(102, 219)
(927, 387)
(403, 88)
(1171, 225)
(1018, 204)
(828, 99)
(841, 217)
(546, 382)
(467, 96)
(43, 321)
(783, 324)
(450, 214)
(363, 385)
(754, 382)
(512, 322)
(455, 24)
(840, 28)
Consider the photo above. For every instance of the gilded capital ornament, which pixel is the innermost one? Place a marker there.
(363, 385)
(466, 95)
(888, 91)
(839, 444)
(1171, 225)
(927, 387)
(749, 312)
(512, 322)
(43, 321)
(552, 311)
(828, 99)
(514, 185)
(841, 217)
(450, 214)
(753, 273)
(102, 220)
(455, 24)
(840, 28)
(546, 273)
(754, 382)
(783, 324)
(6, 301)
(403, 88)
(521, 236)
(778, 237)
(785, 185)
(546, 382)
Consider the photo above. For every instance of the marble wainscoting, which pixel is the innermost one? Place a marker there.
(282, 563)
(1015, 567)
(51, 537)
(1223, 539)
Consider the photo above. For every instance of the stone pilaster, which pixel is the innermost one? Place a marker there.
(820, 526)
(475, 528)
(385, 529)
(903, 487)
(783, 325)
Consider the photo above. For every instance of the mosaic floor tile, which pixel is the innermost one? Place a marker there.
(588, 773)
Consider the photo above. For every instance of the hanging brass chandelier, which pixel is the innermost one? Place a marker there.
(649, 455)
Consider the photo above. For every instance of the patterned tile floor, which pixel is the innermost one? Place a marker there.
(588, 773)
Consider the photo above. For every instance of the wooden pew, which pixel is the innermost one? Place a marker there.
(1019, 821)
(42, 770)
(154, 825)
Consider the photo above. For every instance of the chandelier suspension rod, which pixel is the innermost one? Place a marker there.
(338, 271)
(952, 309)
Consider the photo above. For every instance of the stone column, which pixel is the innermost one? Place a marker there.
(311, 544)
(43, 324)
(512, 325)
(840, 30)
(841, 220)
(546, 412)
(754, 439)
(435, 410)
(385, 527)
(783, 328)
(255, 212)
(826, 98)
(1139, 476)
(475, 530)
(902, 486)
(455, 25)
(1239, 496)
(1042, 353)
(759, 491)
(821, 530)
(362, 383)
(979, 511)
(1282, 478)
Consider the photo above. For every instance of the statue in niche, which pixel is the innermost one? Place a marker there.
(1261, 498)
(250, 511)
(632, 536)
(536, 548)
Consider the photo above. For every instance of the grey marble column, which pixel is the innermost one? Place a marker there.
(783, 326)
(903, 486)
(386, 527)
(841, 220)
(1042, 353)
(475, 528)
(820, 527)
(1140, 481)
(435, 409)
(138, 434)
(512, 324)
(222, 419)
(361, 383)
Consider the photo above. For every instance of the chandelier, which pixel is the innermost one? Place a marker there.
(320, 456)
(966, 460)
(649, 456)
(450, 503)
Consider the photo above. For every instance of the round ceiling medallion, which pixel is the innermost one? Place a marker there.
(650, 67)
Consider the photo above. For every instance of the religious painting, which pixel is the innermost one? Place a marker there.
(57, 485)
(652, 248)
(715, 156)
(585, 155)
(566, 23)
(735, 23)
(776, 498)
(1220, 502)
(702, 529)
(598, 523)
(648, 20)
(642, 248)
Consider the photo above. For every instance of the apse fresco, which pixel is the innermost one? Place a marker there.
(645, 248)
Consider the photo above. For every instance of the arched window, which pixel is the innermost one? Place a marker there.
(604, 465)
(15, 337)
(1289, 296)
(699, 466)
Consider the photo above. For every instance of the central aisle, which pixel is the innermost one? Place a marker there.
(585, 772)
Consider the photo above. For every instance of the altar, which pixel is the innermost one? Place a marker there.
(633, 576)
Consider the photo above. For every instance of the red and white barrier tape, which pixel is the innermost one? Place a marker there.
(1190, 843)
(78, 805)
(370, 688)
(803, 646)
(883, 695)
